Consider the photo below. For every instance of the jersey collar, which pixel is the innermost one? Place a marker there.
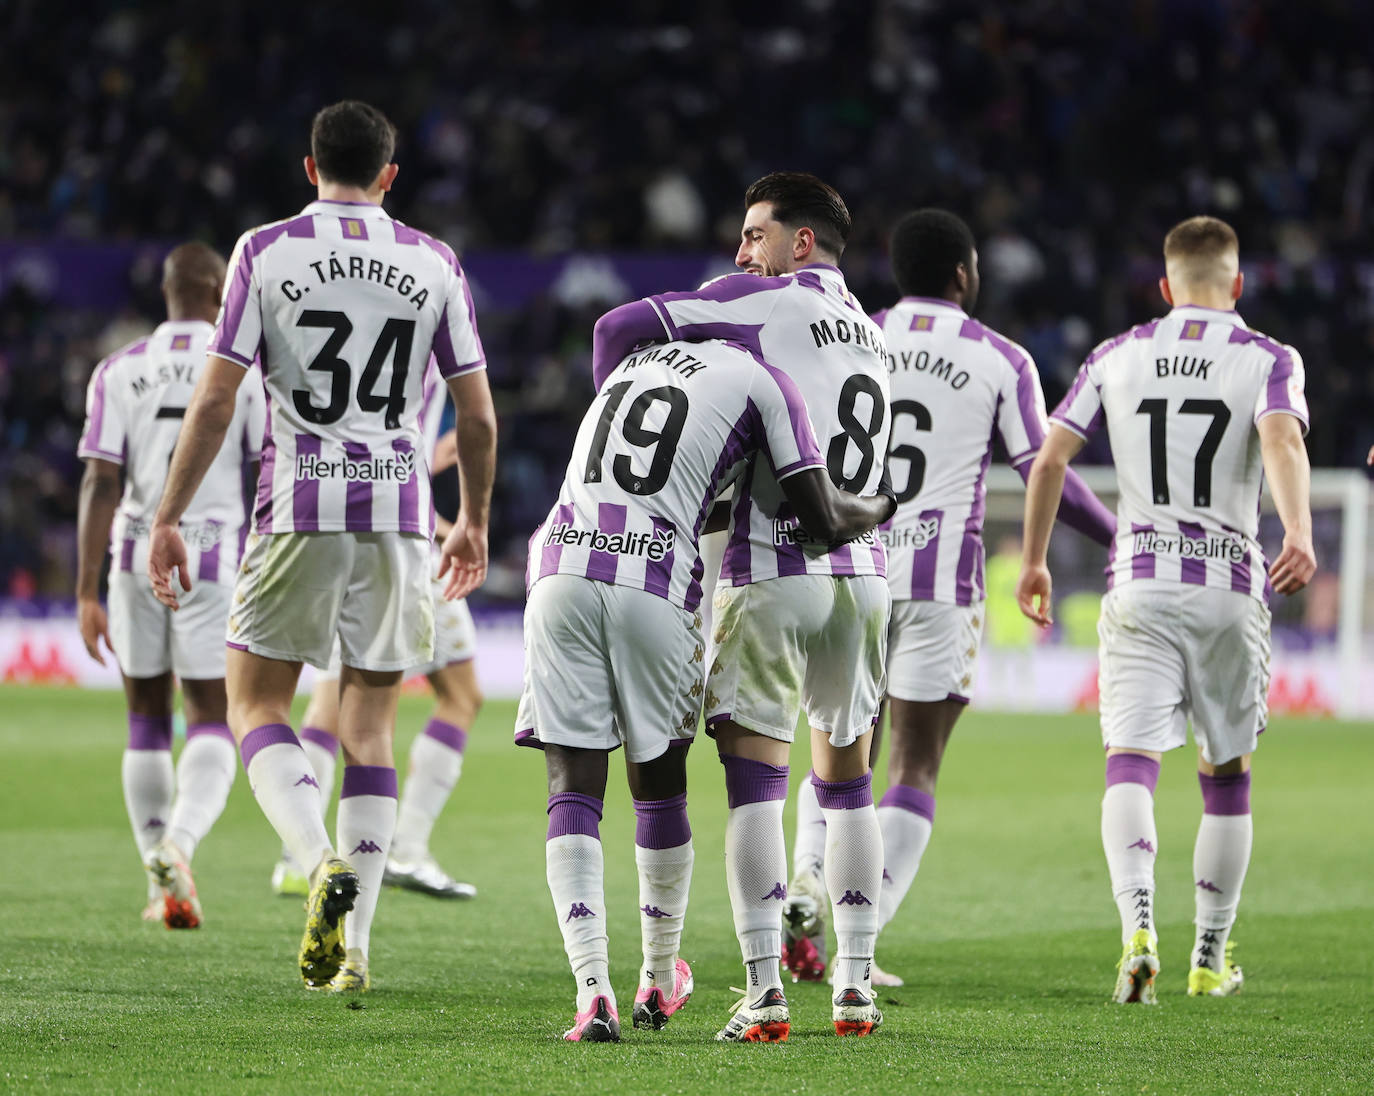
(1213, 315)
(359, 210)
(934, 302)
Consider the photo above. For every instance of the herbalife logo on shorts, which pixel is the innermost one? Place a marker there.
(790, 531)
(916, 536)
(396, 467)
(652, 545)
(1214, 546)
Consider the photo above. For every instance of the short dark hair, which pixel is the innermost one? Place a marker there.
(351, 142)
(802, 200)
(927, 247)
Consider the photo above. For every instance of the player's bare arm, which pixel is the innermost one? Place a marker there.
(1044, 489)
(1289, 474)
(202, 433)
(832, 515)
(464, 558)
(98, 502)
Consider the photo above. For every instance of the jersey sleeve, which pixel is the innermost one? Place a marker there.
(1081, 408)
(1021, 406)
(105, 431)
(238, 331)
(733, 308)
(457, 346)
(789, 441)
(1284, 392)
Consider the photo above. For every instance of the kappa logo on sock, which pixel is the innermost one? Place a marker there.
(1208, 885)
(887, 877)
(1141, 843)
(854, 898)
(579, 909)
(779, 892)
(366, 845)
(154, 823)
(307, 779)
(653, 911)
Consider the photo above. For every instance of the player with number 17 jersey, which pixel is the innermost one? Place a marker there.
(344, 306)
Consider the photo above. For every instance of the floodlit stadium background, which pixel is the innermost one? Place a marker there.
(581, 155)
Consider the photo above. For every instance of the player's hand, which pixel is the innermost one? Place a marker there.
(1296, 565)
(95, 626)
(464, 559)
(1033, 589)
(167, 554)
(1370, 458)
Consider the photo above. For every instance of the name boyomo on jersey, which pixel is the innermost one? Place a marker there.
(344, 306)
(1179, 397)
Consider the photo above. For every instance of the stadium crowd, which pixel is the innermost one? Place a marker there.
(1069, 134)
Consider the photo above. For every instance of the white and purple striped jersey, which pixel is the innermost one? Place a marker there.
(956, 386)
(1180, 396)
(344, 306)
(134, 406)
(808, 324)
(669, 426)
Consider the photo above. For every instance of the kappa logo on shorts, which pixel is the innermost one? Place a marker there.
(790, 531)
(916, 536)
(653, 545)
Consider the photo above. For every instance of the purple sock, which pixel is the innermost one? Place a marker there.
(325, 740)
(1225, 794)
(1126, 768)
(571, 812)
(150, 732)
(662, 823)
(749, 781)
(218, 730)
(907, 798)
(446, 734)
(844, 795)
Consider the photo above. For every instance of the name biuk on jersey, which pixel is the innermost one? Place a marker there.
(1179, 397)
(134, 406)
(667, 428)
(956, 384)
(344, 307)
(808, 324)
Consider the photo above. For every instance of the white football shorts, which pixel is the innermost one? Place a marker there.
(1169, 653)
(813, 643)
(607, 666)
(150, 639)
(297, 591)
(932, 650)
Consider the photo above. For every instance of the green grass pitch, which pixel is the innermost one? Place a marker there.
(1007, 942)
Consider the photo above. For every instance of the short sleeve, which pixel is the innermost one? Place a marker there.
(1284, 393)
(733, 308)
(789, 441)
(105, 430)
(1021, 407)
(457, 346)
(238, 331)
(1081, 408)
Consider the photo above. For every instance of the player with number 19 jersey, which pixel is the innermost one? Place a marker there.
(1179, 397)
(344, 306)
(808, 324)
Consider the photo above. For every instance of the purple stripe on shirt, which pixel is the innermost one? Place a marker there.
(743, 335)
(408, 493)
(241, 277)
(209, 561)
(379, 780)
(658, 573)
(1193, 571)
(1240, 574)
(405, 234)
(96, 419)
(305, 497)
(357, 493)
(126, 554)
(610, 519)
(694, 591)
(1142, 563)
(972, 329)
(1276, 394)
(736, 562)
(968, 575)
(791, 557)
(552, 554)
(925, 560)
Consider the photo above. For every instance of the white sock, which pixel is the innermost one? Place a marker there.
(366, 822)
(576, 870)
(1130, 842)
(1221, 857)
(808, 851)
(665, 878)
(436, 763)
(906, 817)
(286, 789)
(755, 873)
(205, 773)
(853, 874)
(321, 748)
(146, 774)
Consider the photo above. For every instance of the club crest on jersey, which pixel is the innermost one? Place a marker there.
(790, 531)
(396, 467)
(916, 536)
(653, 545)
